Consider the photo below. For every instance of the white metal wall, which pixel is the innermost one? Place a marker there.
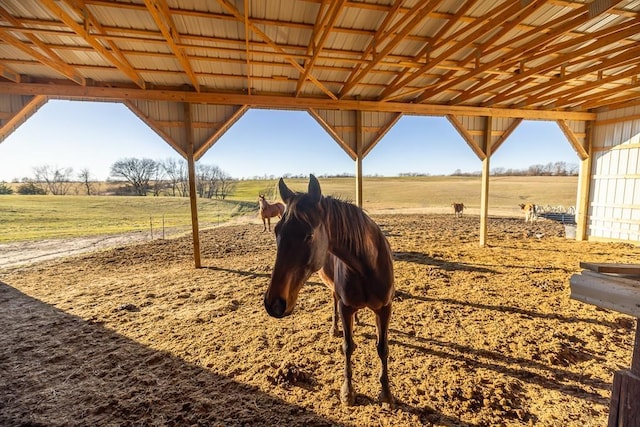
(614, 209)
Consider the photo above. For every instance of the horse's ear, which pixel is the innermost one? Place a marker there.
(314, 189)
(285, 193)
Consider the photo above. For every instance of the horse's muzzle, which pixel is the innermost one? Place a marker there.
(276, 308)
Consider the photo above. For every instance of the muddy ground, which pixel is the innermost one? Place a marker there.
(136, 336)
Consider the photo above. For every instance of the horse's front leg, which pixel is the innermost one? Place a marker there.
(382, 323)
(334, 317)
(269, 222)
(347, 394)
(264, 224)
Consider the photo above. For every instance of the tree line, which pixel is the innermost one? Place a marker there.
(139, 177)
(549, 169)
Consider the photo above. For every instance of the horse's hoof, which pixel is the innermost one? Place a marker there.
(347, 395)
(335, 332)
(387, 397)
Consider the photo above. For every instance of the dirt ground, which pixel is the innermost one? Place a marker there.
(136, 336)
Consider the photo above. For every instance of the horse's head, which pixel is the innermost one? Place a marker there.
(303, 244)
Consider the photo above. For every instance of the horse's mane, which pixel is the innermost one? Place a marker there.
(348, 225)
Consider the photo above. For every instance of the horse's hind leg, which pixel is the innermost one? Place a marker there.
(382, 322)
(347, 394)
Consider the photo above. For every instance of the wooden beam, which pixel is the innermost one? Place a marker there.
(218, 133)
(274, 101)
(156, 127)
(505, 135)
(469, 139)
(381, 132)
(22, 115)
(573, 140)
(329, 129)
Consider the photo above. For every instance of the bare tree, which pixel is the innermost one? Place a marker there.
(207, 180)
(176, 172)
(138, 172)
(226, 185)
(55, 180)
(85, 177)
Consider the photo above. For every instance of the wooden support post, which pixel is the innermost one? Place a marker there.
(584, 187)
(624, 409)
(359, 144)
(484, 196)
(192, 184)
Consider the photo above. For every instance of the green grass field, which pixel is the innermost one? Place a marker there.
(45, 217)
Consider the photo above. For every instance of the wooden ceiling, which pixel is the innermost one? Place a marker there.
(386, 55)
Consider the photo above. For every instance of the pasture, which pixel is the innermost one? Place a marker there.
(479, 336)
(48, 217)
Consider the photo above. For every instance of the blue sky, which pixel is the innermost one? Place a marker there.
(94, 135)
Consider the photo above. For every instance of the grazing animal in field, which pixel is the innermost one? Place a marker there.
(529, 210)
(457, 209)
(353, 258)
(268, 211)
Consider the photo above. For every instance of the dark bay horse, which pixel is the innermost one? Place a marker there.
(269, 210)
(353, 258)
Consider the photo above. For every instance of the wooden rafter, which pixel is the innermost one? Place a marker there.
(543, 35)
(162, 17)
(60, 65)
(593, 99)
(53, 6)
(622, 56)
(54, 64)
(603, 39)
(475, 54)
(438, 36)
(570, 96)
(247, 36)
(489, 25)
(376, 41)
(81, 9)
(319, 37)
(235, 12)
(418, 13)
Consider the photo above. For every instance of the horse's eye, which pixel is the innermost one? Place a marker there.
(308, 237)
